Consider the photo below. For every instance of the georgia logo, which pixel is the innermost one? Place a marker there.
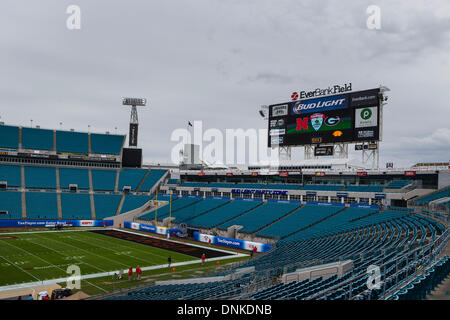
(332, 121)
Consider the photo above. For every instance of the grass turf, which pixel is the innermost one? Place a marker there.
(110, 283)
(31, 257)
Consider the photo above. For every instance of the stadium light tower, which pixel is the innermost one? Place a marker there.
(134, 123)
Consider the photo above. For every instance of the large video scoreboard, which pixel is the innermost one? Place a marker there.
(350, 117)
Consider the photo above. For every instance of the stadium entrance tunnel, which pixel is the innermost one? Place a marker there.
(186, 249)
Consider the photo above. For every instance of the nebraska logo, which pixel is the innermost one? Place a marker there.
(317, 120)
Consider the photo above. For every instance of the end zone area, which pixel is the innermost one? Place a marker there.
(188, 249)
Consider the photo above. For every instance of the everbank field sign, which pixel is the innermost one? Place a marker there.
(318, 92)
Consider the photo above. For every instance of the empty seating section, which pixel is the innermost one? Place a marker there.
(261, 216)
(220, 185)
(425, 283)
(248, 186)
(131, 178)
(11, 202)
(104, 180)
(196, 209)
(193, 184)
(223, 213)
(323, 187)
(106, 144)
(68, 176)
(9, 137)
(163, 211)
(152, 178)
(362, 188)
(345, 221)
(106, 205)
(41, 139)
(73, 142)
(299, 219)
(278, 186)
(41, 205)
(173, 181)
(40, 177)
(11, 174)
(194, 291)
(133, 202)
(76, 206)
(434, 196)
(398, 184)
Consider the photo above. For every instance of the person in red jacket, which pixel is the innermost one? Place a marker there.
(130, 274)
(203, 259)
(138, 272)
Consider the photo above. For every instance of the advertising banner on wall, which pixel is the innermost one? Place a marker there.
(152, 229)
(232, 243)
(53, 223)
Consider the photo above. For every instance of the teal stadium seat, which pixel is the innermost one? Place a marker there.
(68, 176)
(40, 177)
(41, 205)
(261, 216)
(106, 205)
(132, 202)
(76, 206)
(40, 139)
(106, 143)
(224, 213)
(104, 180)
(11, 174)
(152, 178)
(74, 142)
(131, 177)
(9, 137)
(11, 202)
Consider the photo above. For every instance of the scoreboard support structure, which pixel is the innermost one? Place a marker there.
(284, 153)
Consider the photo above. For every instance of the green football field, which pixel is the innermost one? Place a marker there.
(33, 257)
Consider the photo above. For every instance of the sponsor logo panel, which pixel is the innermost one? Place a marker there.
(280, 110)
(364, 98)
(319, 104)
(366, 117)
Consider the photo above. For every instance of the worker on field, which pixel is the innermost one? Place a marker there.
(138, 272)
(130, 274)
(203, 259)
(169, 260)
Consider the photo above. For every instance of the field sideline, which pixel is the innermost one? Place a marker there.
(28, 258)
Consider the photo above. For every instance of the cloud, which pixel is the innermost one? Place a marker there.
(219, 61)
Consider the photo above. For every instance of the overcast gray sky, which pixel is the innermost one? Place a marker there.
(218, 61)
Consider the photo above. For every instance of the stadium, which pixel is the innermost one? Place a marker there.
(215, 158)
(301, 230)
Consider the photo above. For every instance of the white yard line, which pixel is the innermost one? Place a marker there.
(51, 264)
(90, 253)
(131, 256)
(65, 255)
(13, 264)
(110, 273)
(231, 255)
